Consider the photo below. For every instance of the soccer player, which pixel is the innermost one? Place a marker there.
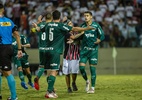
(55, 32)
(22, 63)
(7, 27)
(89, 50)
(42, 47)
(71, 57)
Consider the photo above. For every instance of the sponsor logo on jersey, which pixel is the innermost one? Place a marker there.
(48, 48)
(52, 24)
(89, 35)
(5, 23)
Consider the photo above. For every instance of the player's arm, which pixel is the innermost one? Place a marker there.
(101, 35)
(26, 45)
(77, 35)
(36, 28)
(41, 16)
(17, 37)
(79, 29)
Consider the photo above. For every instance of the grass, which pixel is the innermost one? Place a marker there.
(108, 87)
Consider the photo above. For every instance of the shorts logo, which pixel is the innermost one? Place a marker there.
(27, 63)
(94, 59)
(53, 64)
(5, 67)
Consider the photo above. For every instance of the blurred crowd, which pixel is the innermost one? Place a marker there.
(121, 20)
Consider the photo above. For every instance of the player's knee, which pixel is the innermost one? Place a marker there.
(19, 68)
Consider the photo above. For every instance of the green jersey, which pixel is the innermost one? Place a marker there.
(23, 42)
(90, 36)
(42, 36)
(55, 33)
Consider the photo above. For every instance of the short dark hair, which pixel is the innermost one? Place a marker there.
(89, 12)
(56, 15)
(1, 6)
(48, 15)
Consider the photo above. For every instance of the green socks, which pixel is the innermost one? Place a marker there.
(51, 80)
(40, 72)
(93, 75)
(83, 72)
(21, 76)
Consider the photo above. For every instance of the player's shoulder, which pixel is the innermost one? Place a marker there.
(95, 24)
(83, 24)
(22, 36)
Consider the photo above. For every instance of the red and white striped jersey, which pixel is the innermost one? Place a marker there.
(71, 51)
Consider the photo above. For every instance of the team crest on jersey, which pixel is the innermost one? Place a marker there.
(5, 23)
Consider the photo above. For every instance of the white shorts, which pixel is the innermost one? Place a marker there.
(70, 66)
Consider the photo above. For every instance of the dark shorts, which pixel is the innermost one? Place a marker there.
(53, 61)
(6, 53)
(22, 62)
(90, 55)
(43, 58)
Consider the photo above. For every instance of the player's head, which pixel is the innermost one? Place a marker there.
(88, 16)
(56, 15)
(48, 16)
(68, 22)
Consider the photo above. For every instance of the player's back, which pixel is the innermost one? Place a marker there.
(41, 36)
(55, 35)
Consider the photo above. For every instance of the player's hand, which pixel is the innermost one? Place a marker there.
(34, 24)
(98, 41)
(70, 41)
(19, 54)
(64, 19)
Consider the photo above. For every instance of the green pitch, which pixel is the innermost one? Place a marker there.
(108, 87)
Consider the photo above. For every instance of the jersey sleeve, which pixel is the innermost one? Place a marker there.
(65, 28)
(42, 27)
(100, 32)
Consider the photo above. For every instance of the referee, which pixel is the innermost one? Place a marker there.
(7, 29)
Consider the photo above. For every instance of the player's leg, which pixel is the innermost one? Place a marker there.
(25, 65)
(82, 64)
(43, 58)
(5, 61)
(66, 72)
(54, 66)
(93, 59)
(18, 65)
(74, 70)
(40, 71)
